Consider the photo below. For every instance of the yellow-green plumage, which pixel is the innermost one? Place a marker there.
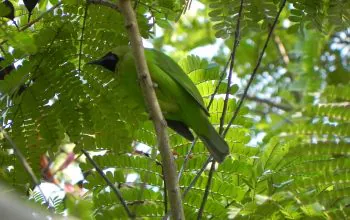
(179, 99)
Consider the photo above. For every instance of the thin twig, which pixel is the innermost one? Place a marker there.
(159, 122)
(270, 103)
(281, 49)
(109, 183)
(255, 70)
(233, 55)
(150, 7)
(82, 37)
(207, 190)
(113, 5)
(24, 163)
(106, 3)
(165, 201)
(210, 159)
(283, 52)
(186, 158)
(222, 76)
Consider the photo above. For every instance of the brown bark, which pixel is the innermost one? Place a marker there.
(154, 109)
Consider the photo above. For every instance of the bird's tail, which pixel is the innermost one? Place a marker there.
(216, 145)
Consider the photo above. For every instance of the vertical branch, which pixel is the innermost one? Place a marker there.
(222, 76)
(281, 49)
(165, 201)
(154, 109)
(255, 69)
(233, 55)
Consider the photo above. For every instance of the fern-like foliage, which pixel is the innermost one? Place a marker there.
(307, 165)
(53, 94)
(257, 15)
(320, 14)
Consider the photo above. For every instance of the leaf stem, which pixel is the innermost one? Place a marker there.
(233, 55)
(207, 190)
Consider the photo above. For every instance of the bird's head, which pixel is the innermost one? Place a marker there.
(111, 59)
(108, 61)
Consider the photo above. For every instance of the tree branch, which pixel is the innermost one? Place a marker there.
(105, 3)
(283, 52)
(187, 158)
(270, 103)
(159, 122)
(210, 159)
(255, 69)
(281, 49)
(222, 76)
(109, 183)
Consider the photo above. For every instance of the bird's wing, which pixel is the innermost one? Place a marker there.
(167, 65)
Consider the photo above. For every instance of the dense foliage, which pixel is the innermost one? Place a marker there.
(290, 143)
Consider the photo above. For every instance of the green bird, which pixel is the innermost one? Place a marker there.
(178, 97)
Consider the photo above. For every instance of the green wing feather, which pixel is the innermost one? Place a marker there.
(167, 65)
